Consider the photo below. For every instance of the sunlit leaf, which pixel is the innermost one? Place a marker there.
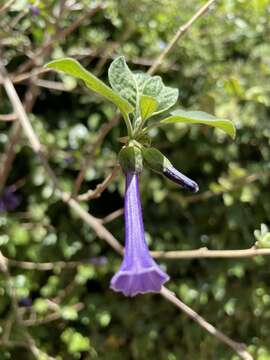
(74, 68)
(153, 86)
(200, 117)
(122, 80)
(166, 99)
(148, 106)
(141, 78)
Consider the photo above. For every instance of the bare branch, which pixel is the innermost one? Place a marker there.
(14, 137)
(52, 85)
(6, 5)
(94, 223)
(239, 348)
(8, 117)
(181, 31)
(56, 315)
(112, 216)
(46, 266)
(206, 253)
(94, 194)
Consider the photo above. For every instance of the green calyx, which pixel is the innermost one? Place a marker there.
(130, 158)
(155, 159)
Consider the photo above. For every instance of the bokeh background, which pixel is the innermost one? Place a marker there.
(222, 66)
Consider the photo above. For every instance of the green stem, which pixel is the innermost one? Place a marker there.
(129, 125)
(155, 125)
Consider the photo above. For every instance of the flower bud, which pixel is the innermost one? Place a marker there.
(131, 160)
(160, 164)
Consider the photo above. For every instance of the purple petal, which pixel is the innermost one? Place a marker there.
(138, 273)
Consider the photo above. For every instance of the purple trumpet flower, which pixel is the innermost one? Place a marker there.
(138, 273)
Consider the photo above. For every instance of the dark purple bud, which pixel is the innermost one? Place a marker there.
(138, 273)
(35, 10)
(160, 164)
(9, 200)
(176, 176)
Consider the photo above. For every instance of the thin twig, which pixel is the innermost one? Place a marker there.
(50, 317)
(6, 6)
(52, 85)
(206, 253)
(180, 32)
(47, 266)
(239, 348)
(8, 117)
(94, 194)
(15, 133)
(112, 216)
(28, 75)
(168, 255)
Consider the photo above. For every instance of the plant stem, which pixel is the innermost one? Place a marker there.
(129, 126)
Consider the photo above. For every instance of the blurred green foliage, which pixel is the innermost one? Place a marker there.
(221, 66)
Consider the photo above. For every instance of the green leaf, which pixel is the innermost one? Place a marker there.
(166, 96)
(200, 117)
(74, 68)
(153, 86)
(148, 105)
(166, 99)
(141, 78)
(122, 80)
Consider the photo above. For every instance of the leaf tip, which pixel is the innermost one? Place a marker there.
(48, 65)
